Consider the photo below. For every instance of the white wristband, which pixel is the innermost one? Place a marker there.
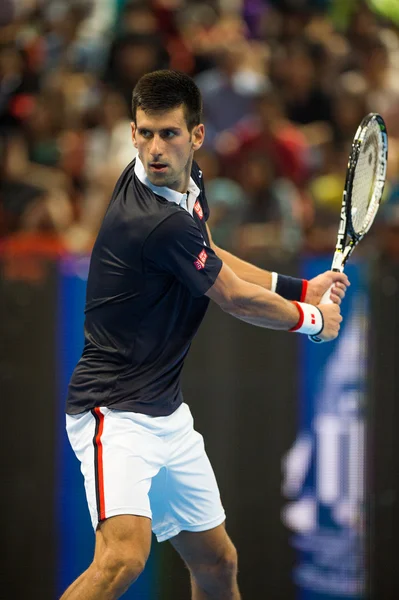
(310, 320)
(273, 285)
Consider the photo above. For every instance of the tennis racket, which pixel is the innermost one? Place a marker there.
(364, 185)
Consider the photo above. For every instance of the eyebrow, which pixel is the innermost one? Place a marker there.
(171, 128)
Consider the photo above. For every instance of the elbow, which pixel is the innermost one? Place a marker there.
(228, 292)
(233, 305)
(225, 304)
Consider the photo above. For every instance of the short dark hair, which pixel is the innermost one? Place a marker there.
(164, 90)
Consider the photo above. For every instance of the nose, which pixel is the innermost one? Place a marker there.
(156, 147)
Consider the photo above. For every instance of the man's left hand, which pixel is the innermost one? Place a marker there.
(320, 284)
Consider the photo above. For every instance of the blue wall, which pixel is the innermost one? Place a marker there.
(324, 478)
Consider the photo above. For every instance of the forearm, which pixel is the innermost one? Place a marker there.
(245, 270)
(262, 308)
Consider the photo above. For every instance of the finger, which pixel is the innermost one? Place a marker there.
(342, 277)
(338, 291)
(336, 299)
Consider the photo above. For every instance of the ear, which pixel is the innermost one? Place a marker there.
(198, 136)
(133, 127)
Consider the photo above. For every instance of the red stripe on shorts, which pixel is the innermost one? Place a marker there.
(98, 462)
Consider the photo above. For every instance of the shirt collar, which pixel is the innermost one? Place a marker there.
(170, 195)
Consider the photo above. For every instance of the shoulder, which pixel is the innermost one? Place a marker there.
(172, 236)
(126, 175)
(135, 210)
(173, 225)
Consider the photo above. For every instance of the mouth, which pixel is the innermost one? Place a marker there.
(157, 167)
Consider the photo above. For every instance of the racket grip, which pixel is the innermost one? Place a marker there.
(326, 296)
(325, 300)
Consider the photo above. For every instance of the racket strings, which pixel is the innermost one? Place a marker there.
(365, 179)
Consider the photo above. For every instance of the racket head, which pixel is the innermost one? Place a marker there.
(364, 186)
(366, 173)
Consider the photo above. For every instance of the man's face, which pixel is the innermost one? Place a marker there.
(166, 147)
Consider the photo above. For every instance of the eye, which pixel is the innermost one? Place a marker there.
(145, 133)
(168, 134)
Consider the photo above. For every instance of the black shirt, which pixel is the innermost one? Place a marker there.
(150, 268)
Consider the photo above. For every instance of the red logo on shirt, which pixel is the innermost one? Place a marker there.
(313, 319)
(201, 260)
(198, 210)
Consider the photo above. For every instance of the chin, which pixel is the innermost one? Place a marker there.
(161, 180)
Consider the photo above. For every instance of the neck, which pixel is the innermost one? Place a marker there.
(182, 185)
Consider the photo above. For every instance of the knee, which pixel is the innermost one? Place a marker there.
(220, 573)
(121, 567)
(226, 565)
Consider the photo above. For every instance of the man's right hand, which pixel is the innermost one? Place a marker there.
(332, 319)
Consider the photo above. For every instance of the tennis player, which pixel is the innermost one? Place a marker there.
(153, 270)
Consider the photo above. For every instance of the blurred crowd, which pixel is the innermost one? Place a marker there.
(285, 84)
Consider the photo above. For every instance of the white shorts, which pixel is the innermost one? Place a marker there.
(154, 467)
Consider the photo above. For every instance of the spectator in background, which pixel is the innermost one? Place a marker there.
(108, 150)
(378, 73)
(382, 84)
(16, 196)
(7, 12)
(349, 106)
(285, 21)
(62, 22)
(109, 142)
(78, 33)
(269, 212)
(226, 198)
(362, 25)
(326, 194)
(275, 136)
(191, 42)
(138, 16)
(228, 90)
(131, 56)
(296, 73)
(285, 79)
(18, 85)
(269, 134)
(388, 229)
(30, 211)
(94, 34)
(43, 128)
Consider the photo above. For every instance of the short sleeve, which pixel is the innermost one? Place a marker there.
(178, 247)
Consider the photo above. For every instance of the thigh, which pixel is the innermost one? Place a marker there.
(124, 537)
(193, 489)
(118, 461)
(189, 499)
(203, 548)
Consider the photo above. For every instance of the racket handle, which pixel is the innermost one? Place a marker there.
(325, 300)
(326, 296)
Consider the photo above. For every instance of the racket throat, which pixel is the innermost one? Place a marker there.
(341, 256)
(338, 262)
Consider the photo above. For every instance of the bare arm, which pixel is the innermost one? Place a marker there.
(315, 287)
(255, 305)
(251, 302)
